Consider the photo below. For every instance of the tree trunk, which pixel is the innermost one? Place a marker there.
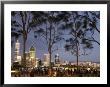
(50, 45)
(49, 56)
(49, 50)
(24, 48)
(24, 33)
(77, 49)
(77, 55)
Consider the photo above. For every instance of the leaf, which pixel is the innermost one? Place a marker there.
(13, 29)
(67, 47)
(80, 33)
(15, 34)
(15, 24)
(13, 13)
(20, 31)
(77, 24)
(35, 36)
(39, 31)
(85, 23)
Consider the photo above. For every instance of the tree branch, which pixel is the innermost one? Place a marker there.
(95, 15)
(21, 14)
(28, 27)
(97, 29)
(54, 50)
(20, 25)
(42, 35)
(93, 41)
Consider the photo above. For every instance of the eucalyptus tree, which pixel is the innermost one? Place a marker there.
(81, 31)
(49, 29)
(22, 23)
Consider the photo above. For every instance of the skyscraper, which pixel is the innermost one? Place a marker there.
(32, 52)
(17, 48)
(46, 59)
(57, 60)
(32, 57)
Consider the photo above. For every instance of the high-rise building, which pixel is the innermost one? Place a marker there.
(19, 59)
(32, 52)
(46, 60)
(17, 48)
(17, 56)
(37, 62)
(32, 58)
(57, 60)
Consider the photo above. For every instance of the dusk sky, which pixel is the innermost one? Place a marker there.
(41, 48)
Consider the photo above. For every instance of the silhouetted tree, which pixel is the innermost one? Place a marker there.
(79, 26)
(21, 24)
(49, 29)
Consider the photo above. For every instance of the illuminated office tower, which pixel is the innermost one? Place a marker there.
(37, 62)
(32, 52)
(46, 59)
(32, 57)
(57, 60)
(17, 48)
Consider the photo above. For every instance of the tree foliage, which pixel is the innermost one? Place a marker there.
(22, 23)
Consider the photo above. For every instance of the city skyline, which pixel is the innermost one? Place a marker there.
(53, 56)
(31, 54)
